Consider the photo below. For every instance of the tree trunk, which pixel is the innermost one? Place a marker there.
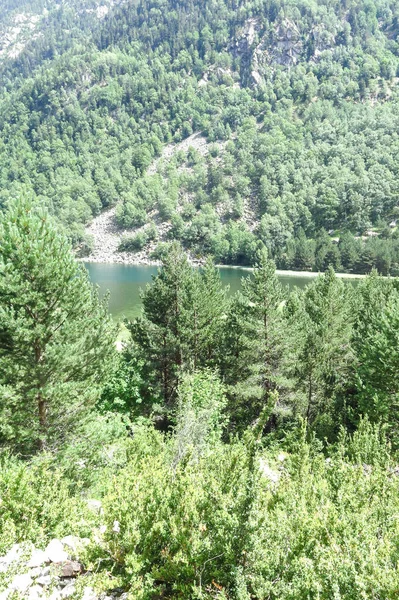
(42, 409)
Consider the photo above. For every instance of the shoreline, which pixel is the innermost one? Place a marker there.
(129, 261)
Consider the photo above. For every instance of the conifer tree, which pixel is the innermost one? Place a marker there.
(376, 347)
(255, 334)
(56, 337)
(323, 325)
(181, 323)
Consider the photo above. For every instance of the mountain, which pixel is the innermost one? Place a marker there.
(226, 124)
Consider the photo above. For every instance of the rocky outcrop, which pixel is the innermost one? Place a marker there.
(49, 574)
(284, 45)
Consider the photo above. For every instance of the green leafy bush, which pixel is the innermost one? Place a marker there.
(36, 503)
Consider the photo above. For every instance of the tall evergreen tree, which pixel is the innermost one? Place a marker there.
(255, 334)
(376, 347)
(321, 328)
(56, 337)
(181, 324)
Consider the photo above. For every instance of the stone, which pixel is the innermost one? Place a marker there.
(12, 555)
(38, 558)
(89, 594)
(72, 541)
(21, 583)
(71, 568)
(269, 473)
(36, 572)
(56, 595)
(44, 580)
(68, 591)
(55, 551)
(35, 592)
(64, 581)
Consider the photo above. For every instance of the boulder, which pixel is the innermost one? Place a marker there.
(38, 558)
(55, 551)
(13, 555)
(21, 583)
(44, 580)
(68, 591)
(71, 568)
(89, 594)
(35, 592)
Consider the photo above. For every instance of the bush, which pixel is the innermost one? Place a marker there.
(133, 243)
(235, 523)
(36, 503)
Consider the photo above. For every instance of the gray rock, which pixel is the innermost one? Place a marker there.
(44, 580)
(71, 568)
(13, 555)
(35, 592)
(55, 551)
(21, 583)
(95, 505)
(36, 572)
(56, 595)
(72, 542)
(68, 591)
(89, 594)
(38, 558)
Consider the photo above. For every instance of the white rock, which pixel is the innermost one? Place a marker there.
(38, 558)
(72, 541)
(12, 556)
(56, 595)
(55, 551)
(116, 528)
(35, 592)
(269, 473)
(89, 594)
(44, 580)
(20, 583)
(68, 591)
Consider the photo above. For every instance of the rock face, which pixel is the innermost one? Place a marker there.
(48, 574)
(261, 50)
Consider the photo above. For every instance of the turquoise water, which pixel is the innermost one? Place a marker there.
(125, 281)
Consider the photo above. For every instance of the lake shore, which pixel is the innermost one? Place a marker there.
(131, 259)
(107, 238)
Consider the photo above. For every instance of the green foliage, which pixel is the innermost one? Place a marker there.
(193, 531)
(87, 104)
(181, 325)
(254, 340)
(36, 503)
(201, 401)
(56, 337)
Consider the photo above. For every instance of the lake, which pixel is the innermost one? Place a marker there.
(125, 281)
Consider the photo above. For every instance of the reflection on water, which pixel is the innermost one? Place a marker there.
(125, 281)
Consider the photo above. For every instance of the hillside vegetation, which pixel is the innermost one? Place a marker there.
(297, 100)
(237, 447)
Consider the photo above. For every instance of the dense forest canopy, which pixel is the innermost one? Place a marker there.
(297, 102)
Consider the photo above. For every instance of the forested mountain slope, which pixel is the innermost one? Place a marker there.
(298, 102)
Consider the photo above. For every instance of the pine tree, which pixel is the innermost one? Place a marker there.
(181, 323)
(254, 344)
(321, 328)
(56, 338)
(376, 347)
